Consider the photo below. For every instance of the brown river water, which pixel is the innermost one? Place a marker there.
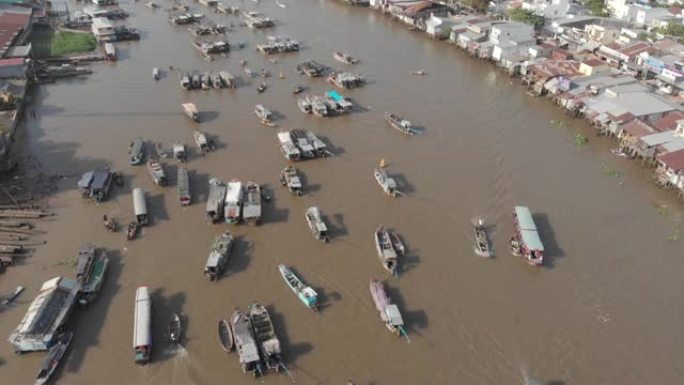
(605, 309)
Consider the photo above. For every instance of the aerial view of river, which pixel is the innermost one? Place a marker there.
(605, 308)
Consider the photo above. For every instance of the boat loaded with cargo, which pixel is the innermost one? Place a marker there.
(389, 312)
(388, 184)
(251, 209)
(264, 114)
(265, 336)
(305, 293)
(234, 200)
(90, 272)
(142, 329)
(215, 200)
(482, 247)
(386, 251)
(203, 144)
(289, 177)
(525, 241)
(175, 330)
(219, 254)
(400, 124)
(156, 171)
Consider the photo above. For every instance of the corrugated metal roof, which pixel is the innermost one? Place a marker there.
(659, 138)
(673, 160)
(525, 220)
(532, 240)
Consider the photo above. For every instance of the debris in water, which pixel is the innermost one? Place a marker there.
(581, 139)
(675, 236)
(610, 172)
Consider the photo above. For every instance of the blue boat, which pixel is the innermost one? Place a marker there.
(306, 294)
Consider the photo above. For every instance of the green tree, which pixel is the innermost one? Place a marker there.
(527, 17)
(672, 29)
(597, 7)
(477, 5)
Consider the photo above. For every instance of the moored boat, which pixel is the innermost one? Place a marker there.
(389, 312)
(246, 346)
(225, 336)
(234, 199)
(90, 272)
(216, 81)
(397, 243)
(251, 209)
(264, 114)
(219, 254)
(386, 251)
(400, 124)
(482, 247)
(304, 105)
(298, 89)
(316, 224)
(227, 78)
(175, 331)
(155, 73)
(156, 171)
(53, 357)
(142, 330)
(265, 336)
(289, 177)
(215, 200)
(305, 293)
(525, 241)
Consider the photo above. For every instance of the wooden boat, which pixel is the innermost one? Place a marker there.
(155, 73)
(481, 242)
(90, 272)
(397, 243)
(290, 178)
(305, 293)
(219, 254)
(178, 150)
(265, 194)
(298, 89)
(183, 186)
(400, 124)
(132, 230)
(156, 171)
(175, 328)
(215, 200)
(388, 185)
(316, 224)
(389, 312)
(159, 148)
(225, 336)
(54, 356)
(251, 209)
(185, 82)
(136, 151)
(386, 251)
(261, 88)
(12, 296)
(228, 79)
(265, 336)
(265, 115)
(206, 81)
(245, 345)
(142, 326)
(345, 58)
(525, 241)
(216, 81)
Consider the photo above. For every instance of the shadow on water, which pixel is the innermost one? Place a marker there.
(240, 256)
(414, 320)
(556, 382)
(156, 208)
(308, 188)
(162, 308)
(326, 299)
(274, 214)
(336, 226)
(332, 148)
(208, 116)
(199, 187)
(88, 320)
(403, 183)
(551, 248)
(291, 351)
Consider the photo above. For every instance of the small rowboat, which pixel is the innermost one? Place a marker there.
(397, 243)
(12, 296)
(132, 230)
(225, 334)
(261, 88)
(54, 356)
(297, 90)
(175, 329)
(481, 242)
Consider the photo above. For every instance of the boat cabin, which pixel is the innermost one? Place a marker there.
(393, 316)
(142, 333)
(190, 109)
(215, 264)
(526, 241)
(140, 206)
(287, 146)
(96, 184)
(216, 199)
(137, 151)
(110, 51)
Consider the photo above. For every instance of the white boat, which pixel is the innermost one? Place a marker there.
(316, 224)
(290, 178)
(142, 330)
(389, 312)
(219, 254)
(201, 141)
(251, 209)
(305, 293)
(233, 204)
(388, 185)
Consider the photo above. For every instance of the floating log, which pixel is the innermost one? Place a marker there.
(14, 230)
(22, 225)
(24, 214)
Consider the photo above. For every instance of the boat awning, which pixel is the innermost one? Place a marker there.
(531, 240)
(334, 95)
(393, 315)
(85, 180)
(525, 220)
(100, 179)
(213, 259)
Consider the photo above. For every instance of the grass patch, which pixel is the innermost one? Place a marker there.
(610, 172)
(64, 43)
(675, 236)
(581, 139)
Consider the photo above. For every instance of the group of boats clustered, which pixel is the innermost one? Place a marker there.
(251, 333)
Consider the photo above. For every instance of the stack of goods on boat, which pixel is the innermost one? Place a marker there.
(185, 18)
(389, 312)
(525, 241)
(316, 224)
(346, 80)
(482, 247)
(289, 177)
(90, 272)
(255, 20)
(265, 337)
(212, 29)
(211, 47)
(219, 254)
(278, 44)
(156, 171)
(245, 344)
(330, 104)
(311, 68)
(305, 293)
(386, 250)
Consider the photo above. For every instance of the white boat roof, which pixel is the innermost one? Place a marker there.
(532, 240)
(139, 205)
(141, 328)
(234, 192)
(393, 315)
(284, 137)
(525, 220)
